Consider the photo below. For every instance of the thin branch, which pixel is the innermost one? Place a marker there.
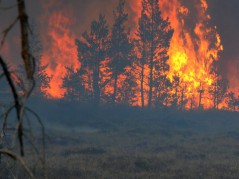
(8, 8)
(43, 137)
(7, 30)
(16, 102)
(19, 159)
(4, 126)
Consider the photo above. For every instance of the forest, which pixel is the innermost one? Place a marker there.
(132, 67)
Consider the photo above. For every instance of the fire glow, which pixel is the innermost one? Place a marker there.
(59, 50)
(194, 48)
(192, 54)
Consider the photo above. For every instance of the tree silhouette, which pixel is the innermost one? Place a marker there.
(74, 84)
(93, 49)
(71, 83)
(219, 86)
(120, 46)
(155, 33)
(218, 90)
(232, 101)
(142, 48)
(128, 89)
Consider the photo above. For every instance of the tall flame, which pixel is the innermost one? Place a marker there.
(59, 48)
(192, 51)
(194, 47)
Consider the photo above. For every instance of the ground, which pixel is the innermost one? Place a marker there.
(133, 143)
(149, 144)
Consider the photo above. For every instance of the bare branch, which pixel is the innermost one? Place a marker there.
(8, 8)
(19, 159)
(16, 101)
(26, 55)
(6, 31)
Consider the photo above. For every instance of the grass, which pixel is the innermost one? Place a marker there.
(150, 145)
(131, 143)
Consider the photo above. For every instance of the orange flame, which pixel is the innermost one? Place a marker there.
(59, 49)
(194, 47)
(192, 54)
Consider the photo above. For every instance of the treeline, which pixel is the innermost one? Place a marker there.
(119, 69)
(122, 67)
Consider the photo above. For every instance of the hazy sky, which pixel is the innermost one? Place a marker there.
(225, 14)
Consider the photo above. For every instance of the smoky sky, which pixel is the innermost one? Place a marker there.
(224, 13)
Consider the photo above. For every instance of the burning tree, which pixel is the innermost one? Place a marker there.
(74, 83)
(129, 89)
(120, 47)
(218, 88)
(94, 47)
(194, 47)
(175, 50)
(154, 35)
(232, 101)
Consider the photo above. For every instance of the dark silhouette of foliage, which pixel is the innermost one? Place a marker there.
(93, 52)
(155, 35)
(120, 46)
(232, 101)
(128, 89)
(74, 84)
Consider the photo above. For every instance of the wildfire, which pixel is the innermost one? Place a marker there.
(59, 49)
(232, 75)
(194, 48)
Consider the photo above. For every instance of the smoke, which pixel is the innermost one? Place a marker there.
(225, 15)
(60, 24)
(80, 13)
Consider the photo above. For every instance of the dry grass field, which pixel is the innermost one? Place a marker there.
(143, 144)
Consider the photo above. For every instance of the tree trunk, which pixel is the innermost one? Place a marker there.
(191, 105)
(182, 99)
(96, 87)
(150, 82)
(200, 99)
(166, 98)
(115, 88)
(142, 85)
(151, 65)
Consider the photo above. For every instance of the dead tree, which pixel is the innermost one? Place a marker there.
(19, 100)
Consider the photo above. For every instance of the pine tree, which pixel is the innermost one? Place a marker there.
(120, 46)
(74, 83)
(218, 90)
(219, 86)
(128, 89)
(232, 101)
(142, 48)
(93, 49)
(156, 34)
